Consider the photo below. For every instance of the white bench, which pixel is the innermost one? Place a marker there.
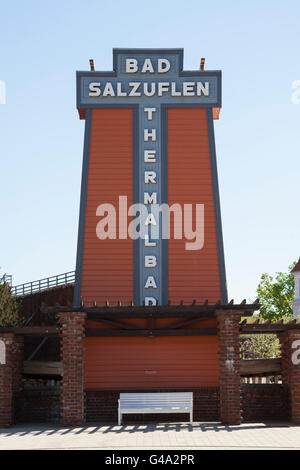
(173, 402)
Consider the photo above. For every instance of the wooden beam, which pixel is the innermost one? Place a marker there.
(116, 323)
(42, 368)
(31, 330)
(111, 314)
(191, 320)
(255, 367)
(267, 328)
(155, 332)
(150, 323)
(159, 310)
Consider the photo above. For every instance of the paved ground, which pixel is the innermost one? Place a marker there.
(155, 436)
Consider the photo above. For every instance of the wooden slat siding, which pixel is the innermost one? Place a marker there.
(107, 271)
(192, 274)
(179, 362)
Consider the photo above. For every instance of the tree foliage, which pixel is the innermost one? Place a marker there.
(260, 347)
(263, 346)
(9, 310)
(275, 294)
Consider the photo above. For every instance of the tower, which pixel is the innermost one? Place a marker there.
(149, 140)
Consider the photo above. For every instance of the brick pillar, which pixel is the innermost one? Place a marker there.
(6, 379)
(290, 370)
(229, 360)
(72, 356)
(18, 360)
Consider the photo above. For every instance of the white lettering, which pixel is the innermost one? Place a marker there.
(106, 228)
(198, 234)
(136, 228)
(150, 199)
(147, 242)
(94, 89)
(119, 90)
(152, 91)
(131, 65)
(202, 89)
(2, 352)
(150, 283)
(150, 133)
(150, 220)
(135, 86)
(149, 301)
(149, 156)
(163, 87)
(123, 210)
(149, 112)
(150, 261)
(150, 177)
(296, 354)
(188, 89)
(108, 90)
(163, 65)
(174, 92)
(147, 67)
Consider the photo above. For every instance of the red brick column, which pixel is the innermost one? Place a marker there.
(290, 370)
(18, 364)
(229, 359)
(72, 356)
(6, 381)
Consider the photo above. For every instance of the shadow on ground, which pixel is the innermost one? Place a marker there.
(105, 428)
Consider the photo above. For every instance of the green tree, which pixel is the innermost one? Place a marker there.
(9, 310)
(275, 294)
(259, 346)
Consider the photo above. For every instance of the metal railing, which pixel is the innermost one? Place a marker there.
(6, 278)
(43, 284)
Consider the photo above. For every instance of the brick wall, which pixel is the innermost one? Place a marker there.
(6, 381)
(72, 356)
(229, 361)
(17, 358)
(37, 406)
(264, 402)
(260, 402)
(102, 405)
(291, 371)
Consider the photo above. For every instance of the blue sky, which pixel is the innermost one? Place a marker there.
(255, 44)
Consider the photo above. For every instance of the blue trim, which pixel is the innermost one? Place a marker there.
(82, 211)
(169, 105)
(135, 178)
(218, 220)
(164, 199)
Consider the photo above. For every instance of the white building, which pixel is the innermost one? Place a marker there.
(296, 302)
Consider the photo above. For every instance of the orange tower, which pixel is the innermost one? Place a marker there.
(149, 141)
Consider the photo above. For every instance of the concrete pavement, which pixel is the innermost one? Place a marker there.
(171, 436)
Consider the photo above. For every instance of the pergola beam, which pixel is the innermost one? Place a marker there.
(98, 332)
(120, 314)
(31, 330)
(268, 328)
(158, 311)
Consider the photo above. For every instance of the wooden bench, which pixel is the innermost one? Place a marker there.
(173, 402)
